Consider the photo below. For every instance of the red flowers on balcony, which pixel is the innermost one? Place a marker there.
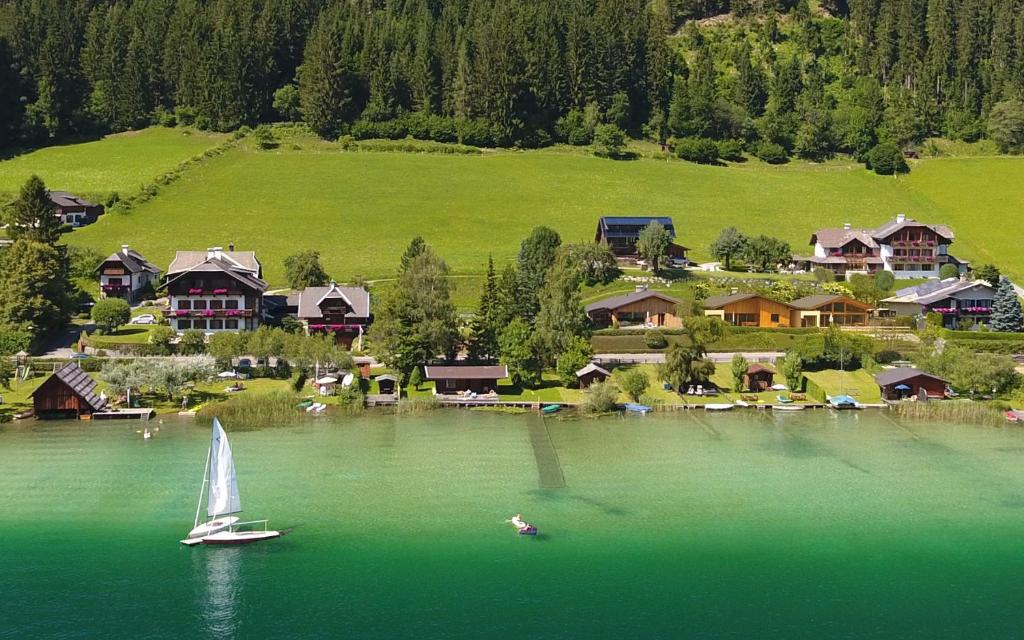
(218, 292)
(195, 292)
(181, 312)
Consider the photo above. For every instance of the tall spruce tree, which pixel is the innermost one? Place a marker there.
(486, 325)
(32, 215)
(1006, 309)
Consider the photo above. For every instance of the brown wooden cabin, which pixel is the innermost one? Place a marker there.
(590, 374)
(748, 310)
(474, 378)
(825, 310)
(67, 393)
(901, 383)
(642, 307)
(758, 378)
(387, 383)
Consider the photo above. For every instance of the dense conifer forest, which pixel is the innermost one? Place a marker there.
(773, 77)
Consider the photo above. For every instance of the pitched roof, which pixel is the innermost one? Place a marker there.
(80, 383)
(833, 238)
(759, 368)
(310, 298)
(65, 199)
(592, 368)
(620, 301)
(902, 374)
(132, 260)
(891, 227)
(240, 265)
(717, 302)
(188, 260)
(466, 372)
(813, 302)
(936, 290)
(633, 225)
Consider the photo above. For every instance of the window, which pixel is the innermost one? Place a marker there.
(746, 319)
(184, 324)
(231, 304)
(184, 304)
(216, 304)
(775, 317)
(199, 323)
(231, 323)
(216, 324)
(113, 280)
(199, 304)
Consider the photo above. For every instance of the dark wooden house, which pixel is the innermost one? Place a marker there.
(343, 312)
(474, 378)
(758, 378)
(897, 384)
(621, 233)
(67, 393)
(387, 383)
(126, 274)
(590, 374)
(215, 290)
(74, 210)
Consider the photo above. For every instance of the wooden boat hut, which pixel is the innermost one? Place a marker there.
(473, 378)
(387, 383)
(758, 378)
(67, 393)
(590, 374)
(906, 382)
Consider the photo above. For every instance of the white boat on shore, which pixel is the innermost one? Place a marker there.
(788, 407)
(719, 407)
(220, 484)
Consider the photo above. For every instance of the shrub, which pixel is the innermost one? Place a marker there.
(887, 356)
(573, 128)
(111, 313)
(601, 397)
(949, 271)
(731, 150)
(609, 141)
(771, 153)
(264, 137)
(886, 159)
(655, 339)
(885, 280)
(634, 383)
(192, 342)
(699, 150)
(821, 274)
(476, 132)
(1006, 125)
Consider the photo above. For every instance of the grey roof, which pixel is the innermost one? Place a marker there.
(80, 383)
(889, 228)
(620, 301)
(901, 374)
(466, 372)
(189, 260)
(309, 300)
(834, 238)
(65, 199)
(240, 265)
(936, 290)
(717, 302)
(592, 368)
(630, 226)
(132, 260)
(813, 302)
(386, 376)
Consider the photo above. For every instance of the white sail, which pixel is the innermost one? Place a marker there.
(223, 491)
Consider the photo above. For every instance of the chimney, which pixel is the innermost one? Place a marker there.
(231, 246)
(124, 248)
(214, 252)
(734, 290)
(847, 226)
(901, 218)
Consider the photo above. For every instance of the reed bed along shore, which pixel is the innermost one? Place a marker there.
(963, 411)
(254, 411)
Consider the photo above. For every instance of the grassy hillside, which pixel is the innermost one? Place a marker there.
(361, 208)
(121, 162)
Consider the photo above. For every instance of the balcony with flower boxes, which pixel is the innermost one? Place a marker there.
(348, 328)
(208, 313)
(195, 291)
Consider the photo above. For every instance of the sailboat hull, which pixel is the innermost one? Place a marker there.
(239, 537)
(212, 527)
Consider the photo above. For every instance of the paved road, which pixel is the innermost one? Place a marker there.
(60, 346)
(659, 358)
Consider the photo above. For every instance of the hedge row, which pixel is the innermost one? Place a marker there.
(796, 331)
(957, 336)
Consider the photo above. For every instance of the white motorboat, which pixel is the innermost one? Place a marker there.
(220, 484)
(718, 407)
(788, 407)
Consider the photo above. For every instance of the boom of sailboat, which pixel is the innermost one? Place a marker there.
(220, 486)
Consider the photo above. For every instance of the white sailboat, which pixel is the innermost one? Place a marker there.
(222, 500)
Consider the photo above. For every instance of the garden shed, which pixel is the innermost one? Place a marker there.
(68, 393)
(590, 374)
(758, 378)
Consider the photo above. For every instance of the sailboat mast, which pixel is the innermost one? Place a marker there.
(202, 488)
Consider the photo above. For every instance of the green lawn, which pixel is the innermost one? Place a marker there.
(859, 384)
(121, 162)
(360, 209)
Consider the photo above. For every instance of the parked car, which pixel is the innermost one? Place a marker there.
(146, 318)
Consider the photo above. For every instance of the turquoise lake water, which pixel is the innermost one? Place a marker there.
(812, 525)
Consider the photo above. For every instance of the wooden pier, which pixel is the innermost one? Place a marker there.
(125, 414)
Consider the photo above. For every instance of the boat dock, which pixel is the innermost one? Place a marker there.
(125, 414)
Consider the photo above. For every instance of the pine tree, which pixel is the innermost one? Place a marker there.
(11, 110)
(751, 92)
(485, 325)
(1006, 310)
(32, 214)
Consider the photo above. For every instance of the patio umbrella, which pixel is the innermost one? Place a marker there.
(902, 387)
(227, 374)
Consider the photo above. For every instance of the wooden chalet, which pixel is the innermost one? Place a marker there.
(452, 379)
(215, 290)
(125, 274)
(621, 233)
(901, 383)
(73, 210)
(758, 378)
(749, 310)
(642, 308)
(343, 312)
(590, 374)
(825, 310)
(67, 393)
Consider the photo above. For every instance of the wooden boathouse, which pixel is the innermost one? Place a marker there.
(68, 393)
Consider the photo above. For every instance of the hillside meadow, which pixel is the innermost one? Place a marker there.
(116, 163)
(360, 208)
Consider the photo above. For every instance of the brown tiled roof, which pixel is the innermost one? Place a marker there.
(759, 368)
(80, 383)
(891, 227)
(717, 302)
(357, 298)
(466, 372)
